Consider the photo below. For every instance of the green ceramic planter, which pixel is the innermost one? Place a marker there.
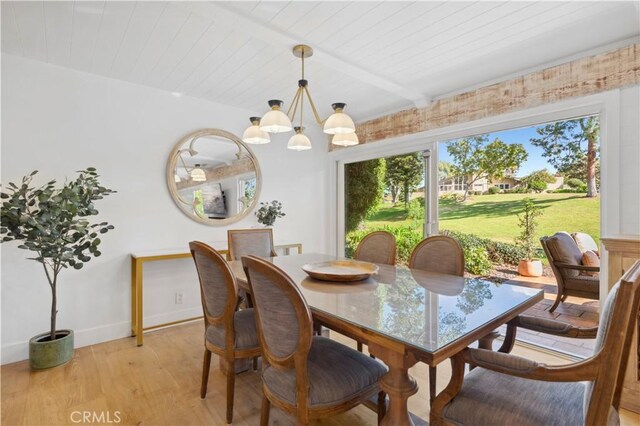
(45, 353)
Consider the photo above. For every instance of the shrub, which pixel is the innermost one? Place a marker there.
(407, 237)
(476, 261)
(499, 252)
(528, 223)
(416, 210)
(518, 190)
(575, 183)
(493, 190)
(568, 191)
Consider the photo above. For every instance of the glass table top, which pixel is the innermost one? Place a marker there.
(423, 309)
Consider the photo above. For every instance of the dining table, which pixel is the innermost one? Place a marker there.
(405, 316)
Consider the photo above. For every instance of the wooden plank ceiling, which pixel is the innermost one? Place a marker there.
(378, 57)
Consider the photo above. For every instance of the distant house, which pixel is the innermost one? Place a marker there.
(455, 184)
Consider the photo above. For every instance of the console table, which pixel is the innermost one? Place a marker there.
(140, 258)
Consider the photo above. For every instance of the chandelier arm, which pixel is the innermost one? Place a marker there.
(313, 107)
(179, 153)
(294, 104)
(302, 99)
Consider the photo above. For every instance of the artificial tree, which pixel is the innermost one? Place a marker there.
(51, 222)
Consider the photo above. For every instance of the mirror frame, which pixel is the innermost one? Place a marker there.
(173, 190)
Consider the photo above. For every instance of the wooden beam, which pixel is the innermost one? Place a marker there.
(581, 77)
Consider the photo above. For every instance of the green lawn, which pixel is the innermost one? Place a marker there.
(495, 216)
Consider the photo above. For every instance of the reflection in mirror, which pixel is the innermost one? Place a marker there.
(213, 177)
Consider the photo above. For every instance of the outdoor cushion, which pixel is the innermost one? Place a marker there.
(585, 242)
(336, 372)
(490, 398)
(565, 250)
(589, 258)
(244, 327)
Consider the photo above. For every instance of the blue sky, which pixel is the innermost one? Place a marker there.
(534, 162)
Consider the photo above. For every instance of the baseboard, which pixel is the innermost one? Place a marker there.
(15, 352)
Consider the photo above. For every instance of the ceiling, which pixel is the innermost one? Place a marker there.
(378, 57)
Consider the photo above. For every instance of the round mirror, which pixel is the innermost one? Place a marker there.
(213, 177)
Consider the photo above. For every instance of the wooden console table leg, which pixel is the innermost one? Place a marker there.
(397, 383)
(138, 290)
(134, 306)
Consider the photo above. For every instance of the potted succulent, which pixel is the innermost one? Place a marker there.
(52, 223)
(269, 212)
(529, 266)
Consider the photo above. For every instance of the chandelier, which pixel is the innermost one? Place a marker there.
(339, 124)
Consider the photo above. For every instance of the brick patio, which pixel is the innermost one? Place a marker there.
(576, 311)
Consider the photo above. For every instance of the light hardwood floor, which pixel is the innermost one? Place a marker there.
(159, 384)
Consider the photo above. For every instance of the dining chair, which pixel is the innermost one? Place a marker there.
(573, 277)
(304, 375)
(438, 253)
(246, 242)
(377, 247)
(442, 254)
(229, 333)
(511, 390)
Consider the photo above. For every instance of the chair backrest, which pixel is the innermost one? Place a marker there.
(250, 242)
(438, 254)
(283, 317)
(585, 242)
(218, 287)
(613, 344)
(562, 248)
(377, 247)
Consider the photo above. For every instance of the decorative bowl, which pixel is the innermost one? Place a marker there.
(341, 270)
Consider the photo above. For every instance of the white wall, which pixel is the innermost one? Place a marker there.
(630, 161)
(57, 121)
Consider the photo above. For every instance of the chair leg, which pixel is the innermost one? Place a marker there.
(432, 384)
(231, 378)
(556, 303)
(205, 373)
(255, 363)
(359, 346)
(382, 405)
(264, 411)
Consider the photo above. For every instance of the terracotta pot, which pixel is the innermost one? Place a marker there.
(530, 268)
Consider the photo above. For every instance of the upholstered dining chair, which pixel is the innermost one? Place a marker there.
(304, 375)
(438, 253)
(246, 242)
(229, 333)
(573, 278)
(377, 247)
(442, 254)
(511, 390)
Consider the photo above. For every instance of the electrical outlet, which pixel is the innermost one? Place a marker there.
(179, 298)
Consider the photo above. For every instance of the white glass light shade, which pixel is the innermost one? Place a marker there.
(339, 122)
(254, 135)
(345, 139)
(299, 141)
(176, 177)
(198, 175)
(275, 121)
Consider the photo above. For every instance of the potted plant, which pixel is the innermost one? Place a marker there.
(529, 266)
(269, 212)
(51, 222)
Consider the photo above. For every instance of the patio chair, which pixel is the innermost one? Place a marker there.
(307, 376)
(511, 390)
(573, 277)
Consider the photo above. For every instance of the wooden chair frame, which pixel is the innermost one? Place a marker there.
(559, 269)
(391, 260)
(297, 359)
(606, 368)
(229, 353)
(231, 255)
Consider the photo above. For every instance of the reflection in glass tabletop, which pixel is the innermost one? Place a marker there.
(423, 309)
